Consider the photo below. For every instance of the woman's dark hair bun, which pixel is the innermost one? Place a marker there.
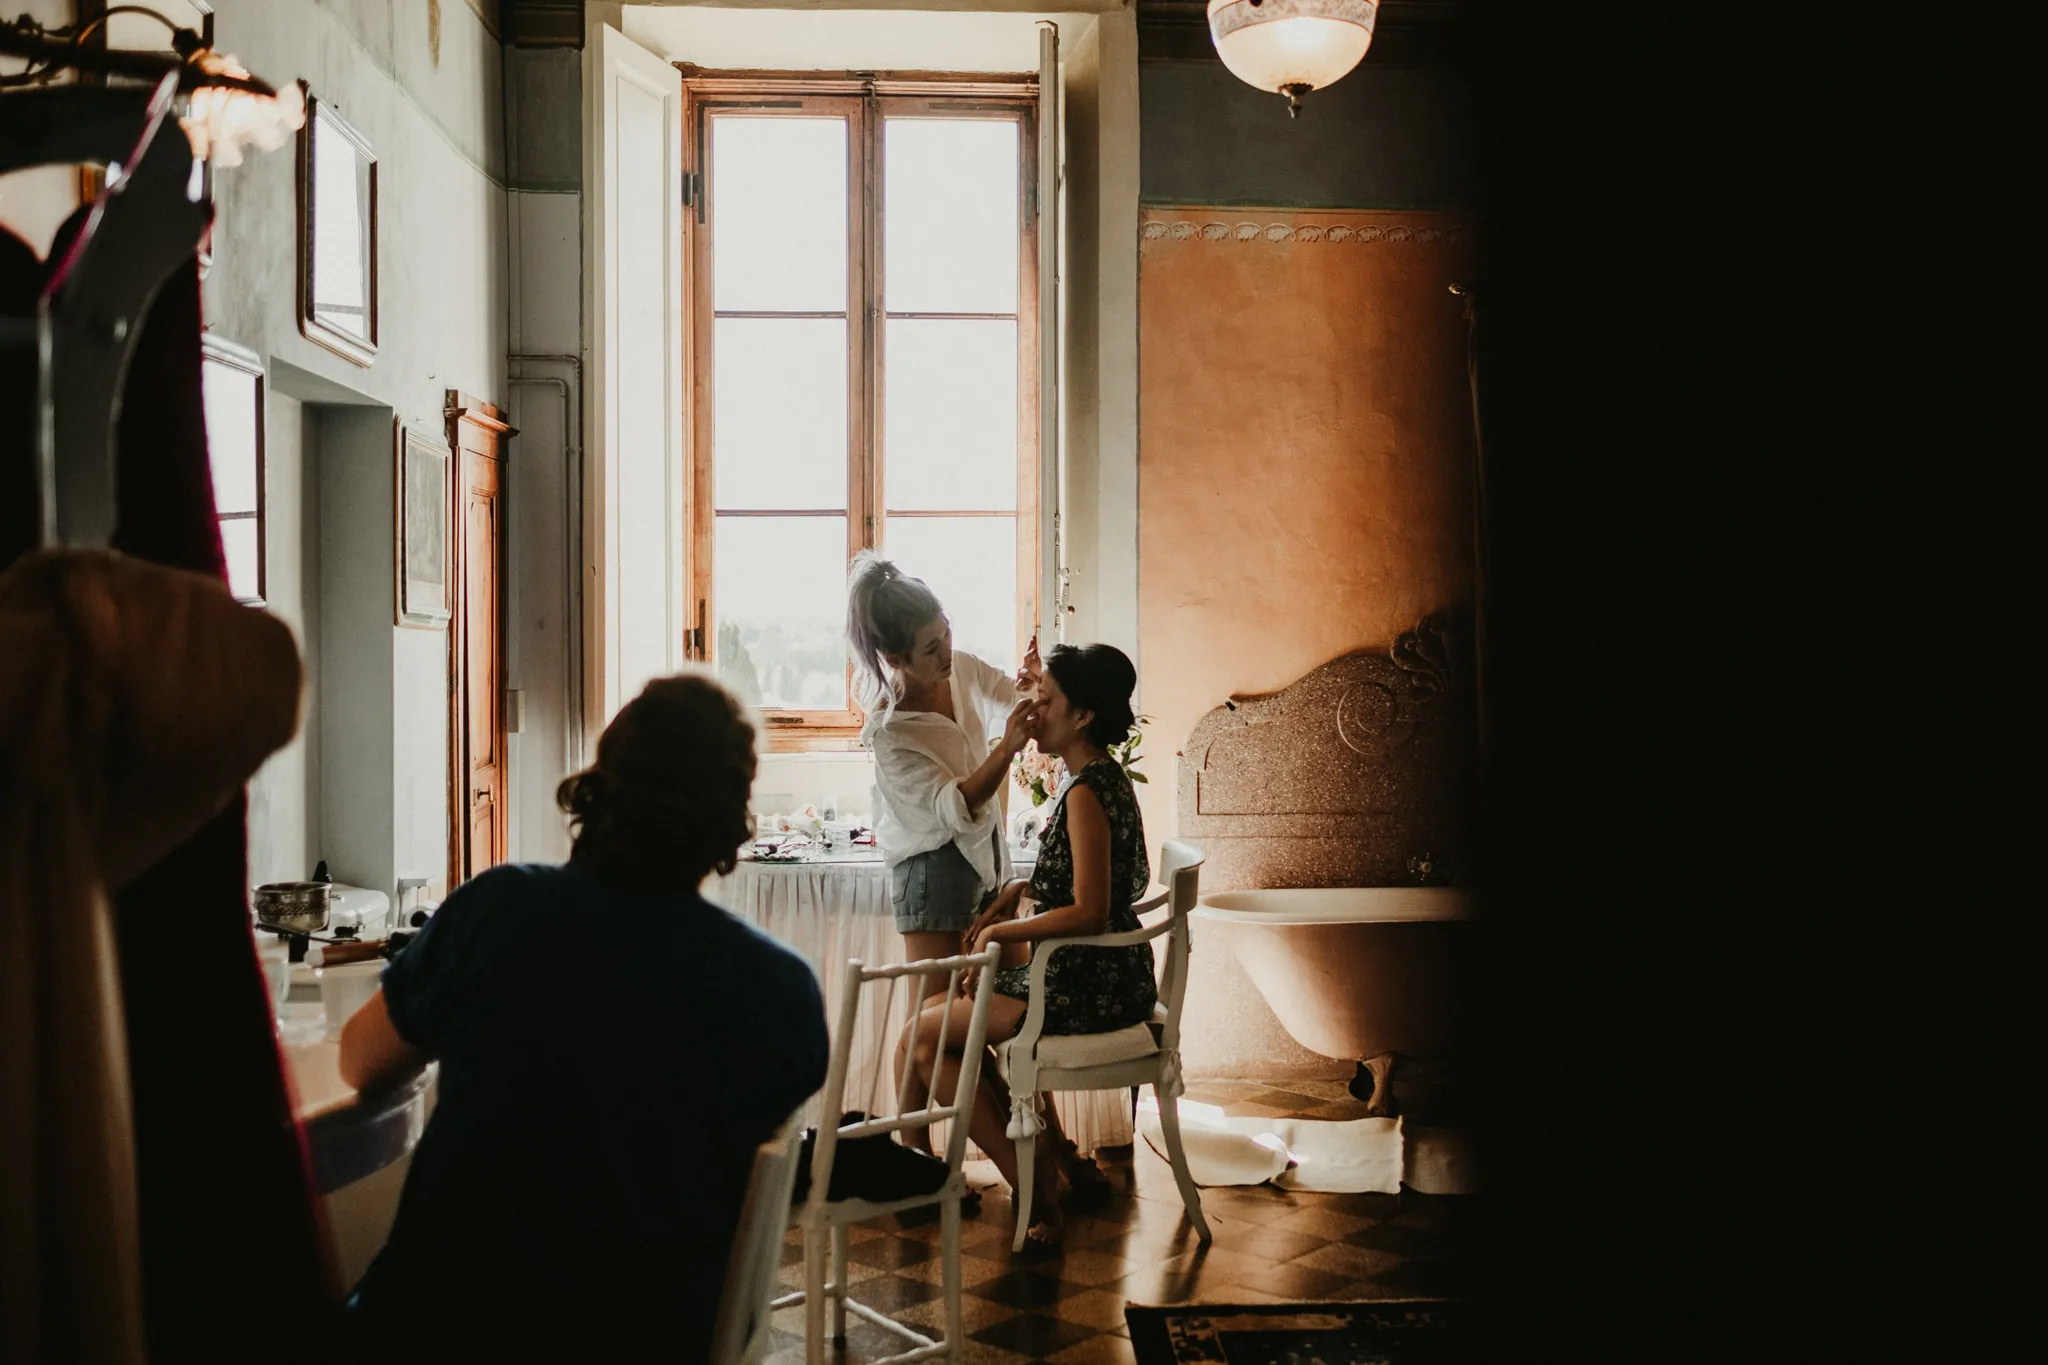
(581, 794)
(1098, 678)
(666, 801)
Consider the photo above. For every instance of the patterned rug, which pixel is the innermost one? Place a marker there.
(1408, 1332)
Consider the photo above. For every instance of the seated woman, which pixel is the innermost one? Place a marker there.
(1092, 867)
(612, 1047)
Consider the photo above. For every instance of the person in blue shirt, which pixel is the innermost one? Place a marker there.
(612, 1049)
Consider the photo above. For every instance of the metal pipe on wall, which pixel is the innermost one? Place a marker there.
(572, 540)
(1481, 571)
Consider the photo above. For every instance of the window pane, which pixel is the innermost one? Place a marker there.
(238, 543)
(782, 610)
(229, 395)
(951, 215)
(971, 563)
(950, 415)
(778, 214)
(778, 412)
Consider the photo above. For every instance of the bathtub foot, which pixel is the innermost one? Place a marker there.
(1374, 1084)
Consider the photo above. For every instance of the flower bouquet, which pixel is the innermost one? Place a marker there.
(1041, 774)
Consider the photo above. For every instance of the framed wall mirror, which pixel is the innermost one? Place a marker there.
(231, 387)
(425, 475)
(337, 234)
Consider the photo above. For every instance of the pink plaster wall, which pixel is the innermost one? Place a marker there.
(1304, 485)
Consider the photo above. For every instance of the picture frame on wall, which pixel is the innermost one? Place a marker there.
(424, 564)
(337, 234)
(232, 392)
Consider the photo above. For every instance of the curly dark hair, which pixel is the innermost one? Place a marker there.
(666, 801)
(1098, 678)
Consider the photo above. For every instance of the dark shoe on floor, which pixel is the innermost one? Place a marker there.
(875, 1167)
(1087, 1186)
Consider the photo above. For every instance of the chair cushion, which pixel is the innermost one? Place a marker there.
(1068, 1051)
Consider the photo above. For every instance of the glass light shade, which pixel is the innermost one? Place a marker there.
(1291, 46)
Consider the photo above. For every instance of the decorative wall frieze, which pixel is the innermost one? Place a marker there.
(1249, 231)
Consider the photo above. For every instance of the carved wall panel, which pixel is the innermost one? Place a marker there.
(1343, 777)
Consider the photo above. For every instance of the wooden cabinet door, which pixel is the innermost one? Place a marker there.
(477, 807)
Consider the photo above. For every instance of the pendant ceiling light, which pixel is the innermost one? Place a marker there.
(1291, 47)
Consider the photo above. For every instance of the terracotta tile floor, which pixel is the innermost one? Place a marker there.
(1270, 1246)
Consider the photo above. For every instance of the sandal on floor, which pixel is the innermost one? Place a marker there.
(1053, 1227)
(1090, 1187)
(1043, 1248)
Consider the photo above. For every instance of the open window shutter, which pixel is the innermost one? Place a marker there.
(634, 583)
(1049, 607)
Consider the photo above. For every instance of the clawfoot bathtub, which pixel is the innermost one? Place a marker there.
(1372, 974)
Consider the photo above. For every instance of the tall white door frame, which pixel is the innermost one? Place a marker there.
(635, 568)
(1049, 613)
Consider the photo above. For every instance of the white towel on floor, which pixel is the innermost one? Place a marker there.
(1245, 1152)
(1359, 1156)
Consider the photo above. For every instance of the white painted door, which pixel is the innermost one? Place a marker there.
(634, 485)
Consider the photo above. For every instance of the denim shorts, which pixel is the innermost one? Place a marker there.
(935, 892)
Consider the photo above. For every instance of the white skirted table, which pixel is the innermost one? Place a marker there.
(836, 906)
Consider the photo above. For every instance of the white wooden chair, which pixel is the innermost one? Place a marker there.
(1144, 1054)
(824, 1220)
(744, 1310)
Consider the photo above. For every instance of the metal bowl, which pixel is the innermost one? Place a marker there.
(294, 907)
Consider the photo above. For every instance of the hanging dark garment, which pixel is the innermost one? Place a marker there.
(234, 1254)
(199, 1027)
(21, 279)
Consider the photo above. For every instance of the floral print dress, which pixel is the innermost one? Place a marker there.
(1094, 990)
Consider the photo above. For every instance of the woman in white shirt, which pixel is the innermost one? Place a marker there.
(938, 780)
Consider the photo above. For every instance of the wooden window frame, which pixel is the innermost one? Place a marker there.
(865, 100)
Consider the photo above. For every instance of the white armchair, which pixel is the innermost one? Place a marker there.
(825, 1220)
(1144, 1054)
